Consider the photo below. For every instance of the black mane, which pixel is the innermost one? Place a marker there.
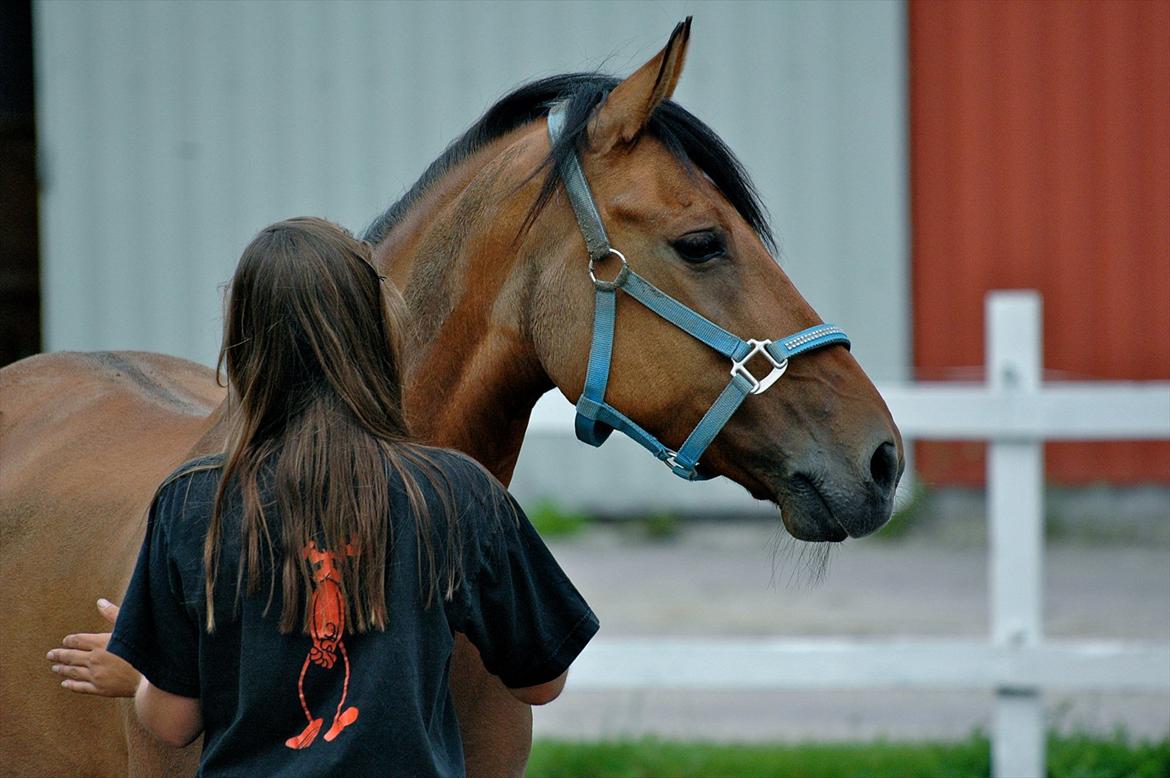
(688, 139)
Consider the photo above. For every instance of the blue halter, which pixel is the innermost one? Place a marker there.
(596, 419)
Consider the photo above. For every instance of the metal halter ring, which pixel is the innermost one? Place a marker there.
(759, 385)
(618, 280)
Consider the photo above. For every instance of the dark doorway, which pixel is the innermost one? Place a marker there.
(20, 293)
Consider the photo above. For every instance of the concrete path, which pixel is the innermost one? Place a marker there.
(747, 578)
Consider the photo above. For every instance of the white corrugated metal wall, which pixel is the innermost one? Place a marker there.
(171, 132)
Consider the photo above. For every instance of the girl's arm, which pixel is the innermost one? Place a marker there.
(175, 720)
(541, 694)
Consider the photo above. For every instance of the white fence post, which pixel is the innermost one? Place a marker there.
(1015, 483)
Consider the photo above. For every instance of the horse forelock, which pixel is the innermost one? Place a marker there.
(686, 137)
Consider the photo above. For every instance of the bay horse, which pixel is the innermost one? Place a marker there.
(490, 259)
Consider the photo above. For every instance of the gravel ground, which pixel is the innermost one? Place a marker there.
(745, 578)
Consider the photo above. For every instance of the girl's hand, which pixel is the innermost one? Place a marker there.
(86, 666)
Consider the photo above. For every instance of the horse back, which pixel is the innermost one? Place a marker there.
(85, 438)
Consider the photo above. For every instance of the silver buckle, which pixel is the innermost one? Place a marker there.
(672, 460)
(618, 280)
(759, 385)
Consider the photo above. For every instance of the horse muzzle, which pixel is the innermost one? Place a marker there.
(824, 499)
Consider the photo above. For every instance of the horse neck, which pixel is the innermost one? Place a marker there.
(472, 372)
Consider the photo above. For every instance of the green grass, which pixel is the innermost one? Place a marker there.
(1068, 757)
(553, 521)
(659, 526)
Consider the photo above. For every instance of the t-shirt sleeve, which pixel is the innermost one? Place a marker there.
(155, 632)
(516, 605)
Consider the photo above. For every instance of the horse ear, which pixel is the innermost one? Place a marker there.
(628, 107)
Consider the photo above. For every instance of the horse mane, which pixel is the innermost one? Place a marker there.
(687, 138)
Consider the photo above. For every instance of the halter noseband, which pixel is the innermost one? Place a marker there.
(596, 419)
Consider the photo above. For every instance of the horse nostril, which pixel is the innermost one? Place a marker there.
(883, 466)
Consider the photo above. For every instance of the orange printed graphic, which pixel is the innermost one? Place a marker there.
(326, 627)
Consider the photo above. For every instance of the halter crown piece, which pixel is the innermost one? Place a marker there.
(596, 419)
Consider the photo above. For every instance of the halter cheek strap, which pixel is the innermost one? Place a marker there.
(596, 419)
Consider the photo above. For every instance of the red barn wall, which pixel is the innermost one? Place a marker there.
(1040, 158)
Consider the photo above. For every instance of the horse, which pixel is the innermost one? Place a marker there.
(502, 287)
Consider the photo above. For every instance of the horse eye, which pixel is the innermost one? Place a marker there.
(699, 247)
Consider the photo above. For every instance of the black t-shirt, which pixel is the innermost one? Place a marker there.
(336, 702)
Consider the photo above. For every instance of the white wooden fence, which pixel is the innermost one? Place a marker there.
(1015, 412)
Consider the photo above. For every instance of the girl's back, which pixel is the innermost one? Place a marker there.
(331, 702)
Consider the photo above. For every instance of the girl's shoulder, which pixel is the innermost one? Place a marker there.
(191, 485)
(460, 472)
(183, 502)
(455, 481)
(211, 464)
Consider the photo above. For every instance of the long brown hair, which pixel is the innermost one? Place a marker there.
(312, 355)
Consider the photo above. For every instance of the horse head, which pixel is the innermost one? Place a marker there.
(678, 208)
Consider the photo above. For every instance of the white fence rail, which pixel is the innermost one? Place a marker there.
(810, 663)
(1015, 412)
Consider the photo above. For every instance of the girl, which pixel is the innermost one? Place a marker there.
(295, 597)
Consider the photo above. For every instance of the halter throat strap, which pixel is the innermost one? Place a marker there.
(596, 419)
